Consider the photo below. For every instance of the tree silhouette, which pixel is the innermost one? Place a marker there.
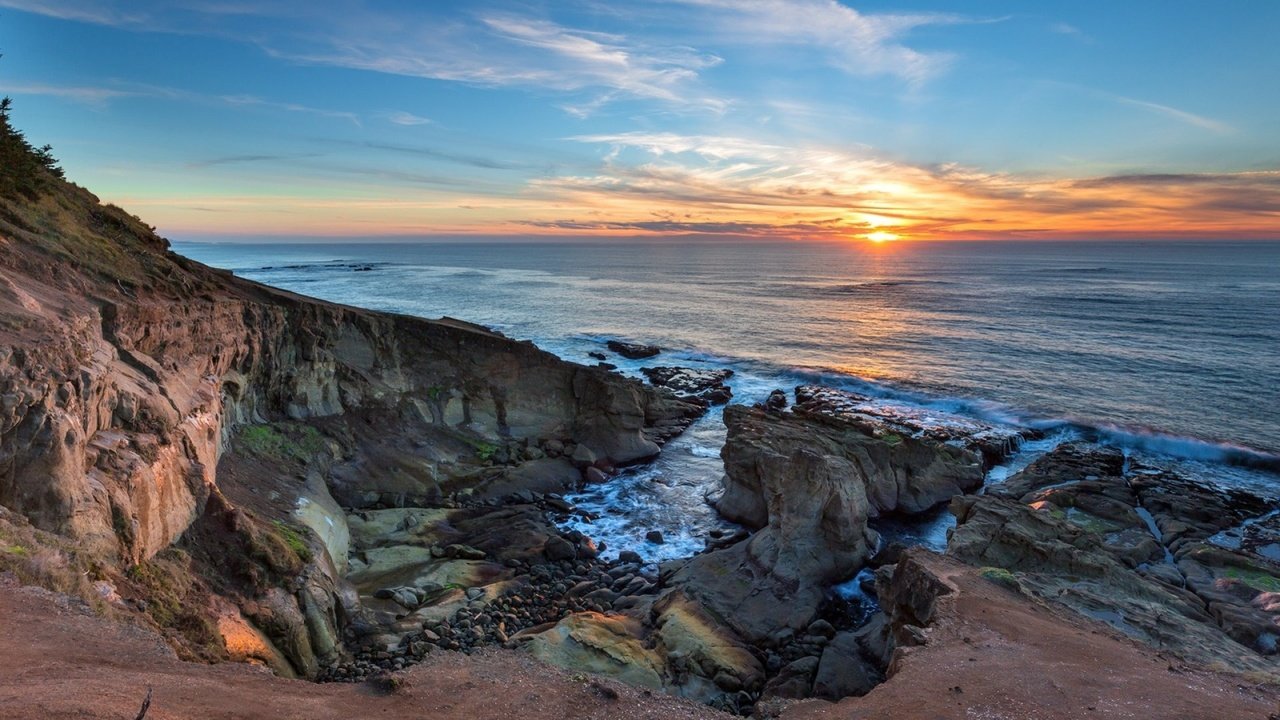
(24, 169)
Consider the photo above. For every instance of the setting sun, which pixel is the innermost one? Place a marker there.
(880, 236)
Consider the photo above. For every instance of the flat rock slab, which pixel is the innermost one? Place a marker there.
(633, 351)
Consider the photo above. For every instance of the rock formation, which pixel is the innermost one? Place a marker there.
(690, 383)
(336, 494)
(633, 351)
(127, 374)
(1151, 553)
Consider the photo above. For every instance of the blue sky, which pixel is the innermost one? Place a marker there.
(775, 118)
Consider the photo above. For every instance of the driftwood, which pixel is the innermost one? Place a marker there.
(146, 705)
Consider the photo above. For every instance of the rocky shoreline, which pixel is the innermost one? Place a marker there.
(340, 495)
(745, 626)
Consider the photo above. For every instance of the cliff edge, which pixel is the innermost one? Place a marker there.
(127, 373)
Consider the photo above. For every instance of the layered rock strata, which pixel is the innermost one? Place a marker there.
(124, 370)
(1175, 563)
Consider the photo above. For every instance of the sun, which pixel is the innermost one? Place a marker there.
(880, 236)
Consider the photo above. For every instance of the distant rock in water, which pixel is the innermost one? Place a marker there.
(633, 351)
(706, 385)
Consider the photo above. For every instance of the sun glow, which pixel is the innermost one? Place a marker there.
(880, 236)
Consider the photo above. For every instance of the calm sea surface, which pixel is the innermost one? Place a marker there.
(1166, 348)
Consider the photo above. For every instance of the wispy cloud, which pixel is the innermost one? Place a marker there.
(101, 96)
(1182, 116)
(254, 101)
(246, 159)
(97, 96)
(407, 119)
(517, 51)
(856, 43)
(478, 161)
(482, 48)
(1062, 28)
(719, 148)
(81, 11)
(508, 49)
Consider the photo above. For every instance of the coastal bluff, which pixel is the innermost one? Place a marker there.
(127, 373)
(195, 468)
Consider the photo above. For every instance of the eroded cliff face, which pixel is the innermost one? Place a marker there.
(124, 369)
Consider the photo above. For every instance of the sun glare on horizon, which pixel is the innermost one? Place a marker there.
(780, 120)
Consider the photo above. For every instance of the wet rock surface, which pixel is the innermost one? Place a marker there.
(994, 442)
(633, 351)
(690, 383)
(734, 625)
(463, 578)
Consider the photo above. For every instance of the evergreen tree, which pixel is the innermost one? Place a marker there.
(24, 169)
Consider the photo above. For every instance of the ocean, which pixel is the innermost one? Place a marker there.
(1166, 349)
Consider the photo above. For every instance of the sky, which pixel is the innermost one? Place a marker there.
(772, 119)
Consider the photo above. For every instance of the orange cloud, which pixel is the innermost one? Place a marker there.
(730, 186)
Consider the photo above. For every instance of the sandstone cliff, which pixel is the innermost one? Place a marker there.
(124, 370)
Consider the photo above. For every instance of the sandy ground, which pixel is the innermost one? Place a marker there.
(59, 661)
(992, 656)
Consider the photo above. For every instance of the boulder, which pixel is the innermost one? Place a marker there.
(808, 483)
(595, 643)
(557, 548)
(794, 680)
(583, 455)
(633, 351)
(683, 651)
(777, 401)
(898, 473)
(843, 671)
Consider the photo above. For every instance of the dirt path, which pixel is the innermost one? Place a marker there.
(991, 656)
(58, 661)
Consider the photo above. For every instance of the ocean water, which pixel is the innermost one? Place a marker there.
(1168, 349)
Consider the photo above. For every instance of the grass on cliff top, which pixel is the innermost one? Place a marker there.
(39, 558)
(76, 234)
(281, 441)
